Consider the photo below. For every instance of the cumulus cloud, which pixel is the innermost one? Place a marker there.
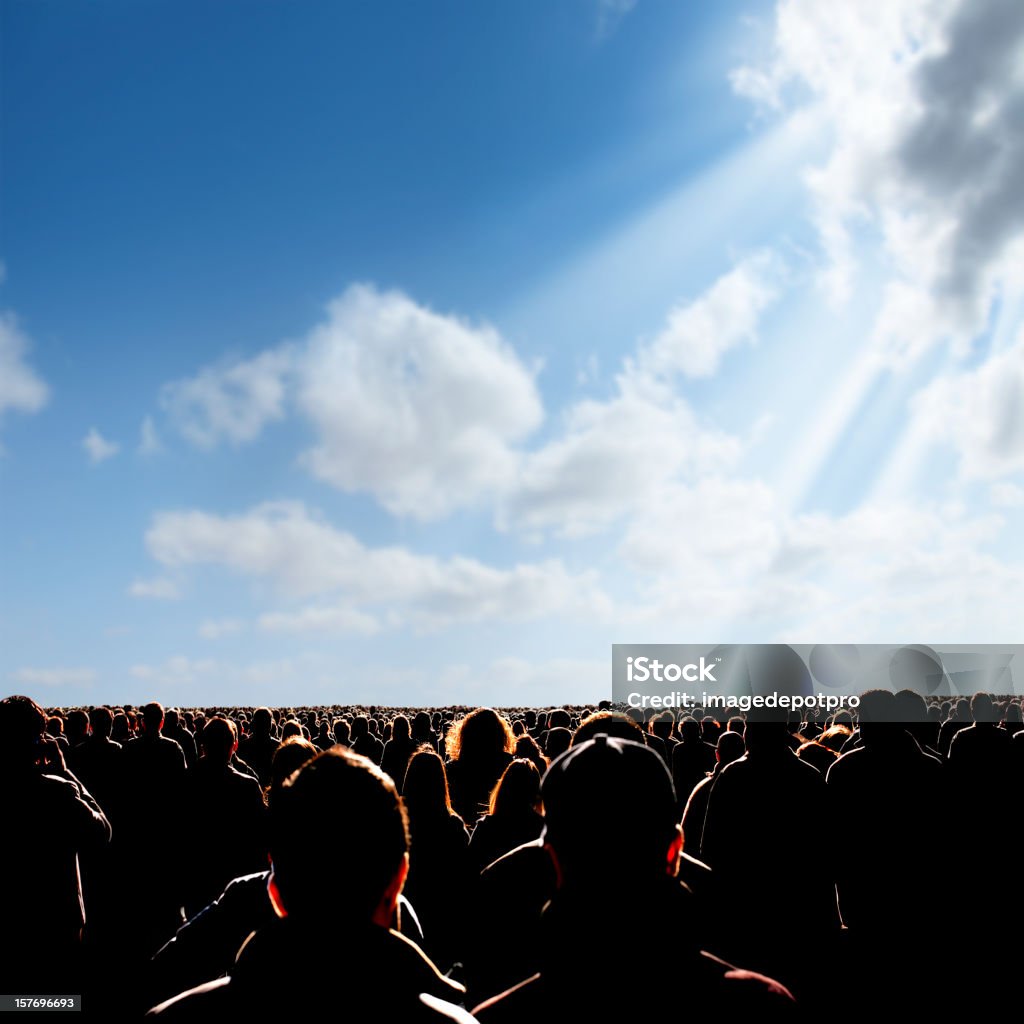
(421, 410)
(613, 456)
(21, 388)
(980, 413)
(610, 458)
(925, 98)
(98, 448)
(232, 401)
(698, 333)
(303, 556)
(726, 557)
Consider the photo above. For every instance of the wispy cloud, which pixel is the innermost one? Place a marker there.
(21, 388)
(98, 448)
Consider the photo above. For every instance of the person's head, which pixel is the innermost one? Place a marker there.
(370, 860)
(262, 720)
(22, 724)
(171, 719)
(689, 730)
(611, 723)
(425, 789)
(766, 730)
(730, 748)
(360, 727)
(878, 713)
(661, 725)
(518, 789)
(557, 742)
(288, 758)
(78, 726)
(291, 728)
(400, 730)
(220, 739)
(483, 735)
(102, 722)
(153, 718)
(558, 718)
(526, 746)
(611, 814)
(983, 708)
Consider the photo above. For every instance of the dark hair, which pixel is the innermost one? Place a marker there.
(481, 735)
(219, 736)
(425, 788)
(367, 855)
(518, 789)
(22, 722)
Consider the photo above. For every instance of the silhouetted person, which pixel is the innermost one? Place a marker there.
(513, 818)
(149, 845)
(755, 845)
(398, 750)
(227, 815)
(257, 749)
(479, 748)
(49, 819)
(610, 824)
(692, 759)
(889, 858)
(356, 948)
(729, 749)
(365, 742)
(440, 869)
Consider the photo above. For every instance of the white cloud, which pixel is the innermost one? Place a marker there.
(160, 589)
(232, 401)
(97, 447)
(149, 439)
(330, 618)
(302, 555)
(54, 676)
(1005, 495)
(421, 410)
(614, 456)
(214, 629)
(728, 560)
(610, 458)
(980, 413)
(925, 100)
(698, 333)
(21, 388)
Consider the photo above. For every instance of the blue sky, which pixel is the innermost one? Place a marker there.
(416, 353)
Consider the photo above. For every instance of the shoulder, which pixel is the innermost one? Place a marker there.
(197, 1003)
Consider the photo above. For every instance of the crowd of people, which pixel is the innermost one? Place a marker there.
(527, 864)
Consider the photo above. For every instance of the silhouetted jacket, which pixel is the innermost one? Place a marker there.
(379, 973)
(595, 949)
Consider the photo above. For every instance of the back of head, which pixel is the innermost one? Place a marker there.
(983, 708)
(483, 735)
(219, 739)
(102, 722)
(517, 790)
(400, 729)
(289, 757)
(610, 812)
(878, 712)
(22, 723)
(730, 747)
(611, 723)
(425, 789)
(365, 855)
(153, 717)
